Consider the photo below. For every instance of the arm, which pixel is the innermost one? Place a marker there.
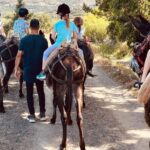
(3, 32)
(26, 27)
(75, 36)
(27, 31)
(17, 63)
(54, 35)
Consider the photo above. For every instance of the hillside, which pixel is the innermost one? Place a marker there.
(45, 5)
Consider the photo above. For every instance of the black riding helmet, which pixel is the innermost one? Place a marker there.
(63, 9)
(23, 12)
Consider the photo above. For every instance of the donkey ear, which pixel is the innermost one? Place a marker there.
(144, 20)
(141, 24)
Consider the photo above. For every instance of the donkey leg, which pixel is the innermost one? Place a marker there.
(21, 95)
(68, 105)
(2, 109)
(79, 107)
(60, 100)
(9, 70)
(83, 97)
(64, 125)
(53, 119)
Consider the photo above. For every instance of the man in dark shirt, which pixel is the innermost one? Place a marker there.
(31, 49)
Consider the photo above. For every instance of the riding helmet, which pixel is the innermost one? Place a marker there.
(63, 9)
(23, 12)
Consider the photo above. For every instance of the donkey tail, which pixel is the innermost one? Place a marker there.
(69, 93)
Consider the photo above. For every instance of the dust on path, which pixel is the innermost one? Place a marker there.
(113, 120)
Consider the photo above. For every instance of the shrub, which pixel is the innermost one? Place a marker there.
(95, 27)
(8, 22)
(46, 21)
(118, 50)
(121, 50)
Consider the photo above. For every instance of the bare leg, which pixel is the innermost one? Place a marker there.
(43, 65)
(146, 67)
(79, 107)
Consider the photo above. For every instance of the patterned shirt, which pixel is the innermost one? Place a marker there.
(20, 27)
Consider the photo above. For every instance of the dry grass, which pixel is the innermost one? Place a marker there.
(117, 69)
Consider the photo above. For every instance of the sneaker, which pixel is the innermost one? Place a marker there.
(42, 117)
(137, 84)
(31, 118)
(41, 76)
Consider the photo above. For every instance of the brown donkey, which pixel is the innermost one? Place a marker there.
(66, 76)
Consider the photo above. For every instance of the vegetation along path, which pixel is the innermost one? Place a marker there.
(113, 120)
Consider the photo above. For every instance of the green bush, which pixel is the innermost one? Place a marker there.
(46, 21)
(106, 50)
(121, 50)
(8, 22)
(118, 50)
(95, 27)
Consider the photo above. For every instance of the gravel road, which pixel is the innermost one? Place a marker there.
(113, 120)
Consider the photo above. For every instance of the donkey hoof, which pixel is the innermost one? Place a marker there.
(62, 147)
(6, 91)
(21, 95)
(53, 120)
(84, 105)
(82, 147)
(2, 110)
(70, 122)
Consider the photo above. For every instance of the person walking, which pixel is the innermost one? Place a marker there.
(31, 49)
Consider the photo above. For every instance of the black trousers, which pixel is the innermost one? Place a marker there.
(41, 95)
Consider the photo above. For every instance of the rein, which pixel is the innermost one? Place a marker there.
(68, 53)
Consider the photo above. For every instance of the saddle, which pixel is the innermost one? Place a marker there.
(73, 47)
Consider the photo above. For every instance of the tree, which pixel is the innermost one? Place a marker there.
(118, 12)
(19, 5)
(12, 17)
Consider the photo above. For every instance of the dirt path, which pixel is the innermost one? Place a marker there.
(113, 120)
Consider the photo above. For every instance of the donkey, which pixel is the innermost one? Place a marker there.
(143, 26)
(8, 52)
(66, 76)
(2, 109)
